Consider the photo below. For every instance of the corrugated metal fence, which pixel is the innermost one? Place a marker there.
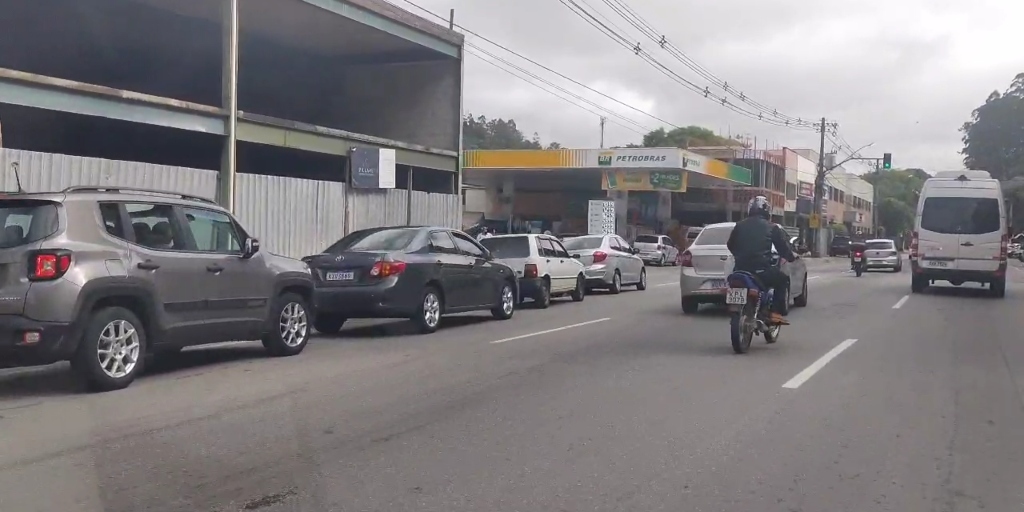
(290, 216)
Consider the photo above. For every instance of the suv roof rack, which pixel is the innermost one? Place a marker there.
(89, 188)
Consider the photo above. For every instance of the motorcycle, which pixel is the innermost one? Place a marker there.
(749, 303)
(858, 258)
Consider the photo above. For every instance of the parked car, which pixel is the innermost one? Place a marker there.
(659, 250)
(610, 262)
(705, 265)
(840, 246)
(882, 253)
(960, 232)
(544, 267)
(104, 277)
(419, 273)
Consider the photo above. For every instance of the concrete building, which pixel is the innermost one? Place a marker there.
(847, 200)
(768, 178)
(271, 87)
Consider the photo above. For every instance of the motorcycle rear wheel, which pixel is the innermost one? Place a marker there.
(741, 328)
(859, 271)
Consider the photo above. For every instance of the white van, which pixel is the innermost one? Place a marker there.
(960, 232)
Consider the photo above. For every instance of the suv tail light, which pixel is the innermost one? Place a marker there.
(600, 256)
(913, 245)
(530, 271)
(48, 265)
(686, 259)
(387, 268)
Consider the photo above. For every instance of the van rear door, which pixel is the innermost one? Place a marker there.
(960, 227)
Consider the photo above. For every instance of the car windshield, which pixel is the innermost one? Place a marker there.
(646, 239)
(507, 246)
(960, 215)
(26, 221)
(582, 243)
(714, 236)
(876, 246)
(391, 239)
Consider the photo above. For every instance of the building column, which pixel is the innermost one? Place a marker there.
(229, 102)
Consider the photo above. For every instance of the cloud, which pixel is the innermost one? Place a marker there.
(904, 75)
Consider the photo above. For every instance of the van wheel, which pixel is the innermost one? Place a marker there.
(112, 350)
(289, 328)
(998, 288)
(918, 284)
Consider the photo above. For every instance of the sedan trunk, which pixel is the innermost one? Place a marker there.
(345, 269)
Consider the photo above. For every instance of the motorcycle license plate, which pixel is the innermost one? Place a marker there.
(736, 296)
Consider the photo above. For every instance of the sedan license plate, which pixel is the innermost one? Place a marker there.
(938, 264)
(736, 296)
(341, 276)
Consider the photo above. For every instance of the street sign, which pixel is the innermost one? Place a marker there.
(815, 221)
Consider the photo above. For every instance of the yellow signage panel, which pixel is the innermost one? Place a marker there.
(525, 158)
(815, 221)
(669, 181)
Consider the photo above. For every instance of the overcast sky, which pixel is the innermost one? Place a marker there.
(901, 74)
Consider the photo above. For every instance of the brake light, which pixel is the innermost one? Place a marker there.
(686, 259)
(600, 256)
(530, 271)
(387, 268)
(44, 266)
(913, 245)
(858, 254)
(1004, 247)
(661, 247)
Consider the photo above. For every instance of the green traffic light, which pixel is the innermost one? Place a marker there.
(887, 161)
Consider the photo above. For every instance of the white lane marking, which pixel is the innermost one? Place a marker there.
(816, 366)
(901, 302)
(676, 283)
(813, 277)
(556, 329)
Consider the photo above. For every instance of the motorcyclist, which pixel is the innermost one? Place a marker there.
(751, 244)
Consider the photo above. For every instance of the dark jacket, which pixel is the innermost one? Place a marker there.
(751, 243)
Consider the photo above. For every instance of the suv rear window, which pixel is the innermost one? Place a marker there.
(374, 240)
(960, 215)
(583, 243)
(713, 236)
(841, 240)
(507, 246)
(646, 239)
(26, 221)
(879, 246)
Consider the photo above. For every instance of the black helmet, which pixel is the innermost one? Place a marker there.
(761, 207)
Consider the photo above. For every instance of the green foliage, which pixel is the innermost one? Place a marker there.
(897, 192)
(482, 133)
(683, 137)
(994, 137)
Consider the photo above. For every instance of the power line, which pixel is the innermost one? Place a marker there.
(621, 40)
(542, 66)
(622, 8)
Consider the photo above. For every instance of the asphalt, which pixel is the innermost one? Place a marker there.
(617, 403)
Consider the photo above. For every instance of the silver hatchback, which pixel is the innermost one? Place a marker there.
(609, 261)
(705, 265)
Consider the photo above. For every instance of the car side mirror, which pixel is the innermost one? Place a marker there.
(575, 256)
(634, 250)
(252, 246)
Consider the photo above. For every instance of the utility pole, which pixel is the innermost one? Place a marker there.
(603, 120)
(874, 199)
(819, 190)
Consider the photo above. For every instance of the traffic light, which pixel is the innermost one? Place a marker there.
(887, 161)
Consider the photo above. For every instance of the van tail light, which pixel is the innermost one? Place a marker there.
(686, 260)
(530, 271)
(1004, 247)
(600, 256)
(48, 265)
(913, 245)
(387, 268)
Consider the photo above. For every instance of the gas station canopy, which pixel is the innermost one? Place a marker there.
(700, 171)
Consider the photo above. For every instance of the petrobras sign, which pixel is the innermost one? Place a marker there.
(640, 158)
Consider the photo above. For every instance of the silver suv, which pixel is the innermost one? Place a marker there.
(104, 277)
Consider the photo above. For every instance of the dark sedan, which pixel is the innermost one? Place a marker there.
(420, 273)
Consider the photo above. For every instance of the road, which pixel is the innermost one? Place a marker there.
(618, 403)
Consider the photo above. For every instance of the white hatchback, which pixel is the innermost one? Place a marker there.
(544, 268)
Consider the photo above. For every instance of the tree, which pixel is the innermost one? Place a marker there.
(482, 133)
(994, 137)
(897, 191)
(684, 137)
